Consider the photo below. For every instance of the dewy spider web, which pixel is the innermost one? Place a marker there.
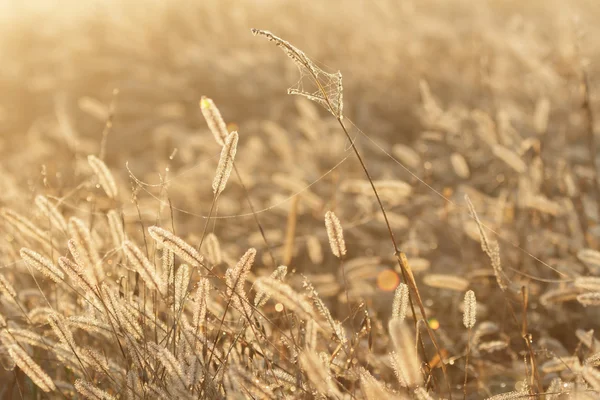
(314, 83)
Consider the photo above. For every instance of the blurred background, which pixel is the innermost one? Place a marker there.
(483, 97)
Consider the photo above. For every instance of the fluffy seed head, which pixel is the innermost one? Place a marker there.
(470, 312)
(105, 178)
(214, 120)
(335, 234)
(225, 163)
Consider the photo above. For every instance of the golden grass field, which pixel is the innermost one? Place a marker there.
(133, 266)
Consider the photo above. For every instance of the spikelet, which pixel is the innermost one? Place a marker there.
(214, 120)
(225, 163)
(236, 278)
(31, 338)
(61, 330)
(91, 392)
(7, 289)
(212, 249)
(315, 251)
(460, 166)
(593, 360)
(400, 304)
(25, 227)
(421, 394)
(371, 387)
(335, 234)
(404, 359)
(134, 386)
(115, 224)
(182, 281)
(168, 266)
(332, 101)
(30, 368)
(51, 213)
(119, 315)
(144, 267)
(470, 312)
(490, 247)
(42, 264)
(81, 241)
(95, 360)
(336, 326)
(171, 364)
(318, 374)
(444, 281)
(492, 346)
(261, 298)
(514, 395)
(511, 158)
(77, 275)
(177, 245)
(105, 178)
(589, 299)
(591, 283)
(285, 295)
(201, 302)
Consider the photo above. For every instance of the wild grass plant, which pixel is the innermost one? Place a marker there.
(173, 225)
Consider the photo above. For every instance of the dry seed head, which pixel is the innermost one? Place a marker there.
(177, 245)
(285, 295)
(591, 283)
(212, 249)
(61, 330)
(329, 87)
(89, 391)
(51, 212)
(201, 299)
(400, 304)
(405, 359)
(30, 368)
(105, 178)
(25, 227)
(144, 267)
(470, 312)
(261, 298)
(490, 247)
(335, 234)
(6, 288)
(214, 120)
(443, 281)
(225, 163)
(117, 231)
(589, 299)
(88, 256)
(182, 281)
(42, 264)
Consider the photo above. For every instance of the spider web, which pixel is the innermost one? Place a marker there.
(314, 83)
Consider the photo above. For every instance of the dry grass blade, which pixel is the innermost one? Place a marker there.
(105, 178)
(225, 163)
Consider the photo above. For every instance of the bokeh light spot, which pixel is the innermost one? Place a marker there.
(387, 280)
